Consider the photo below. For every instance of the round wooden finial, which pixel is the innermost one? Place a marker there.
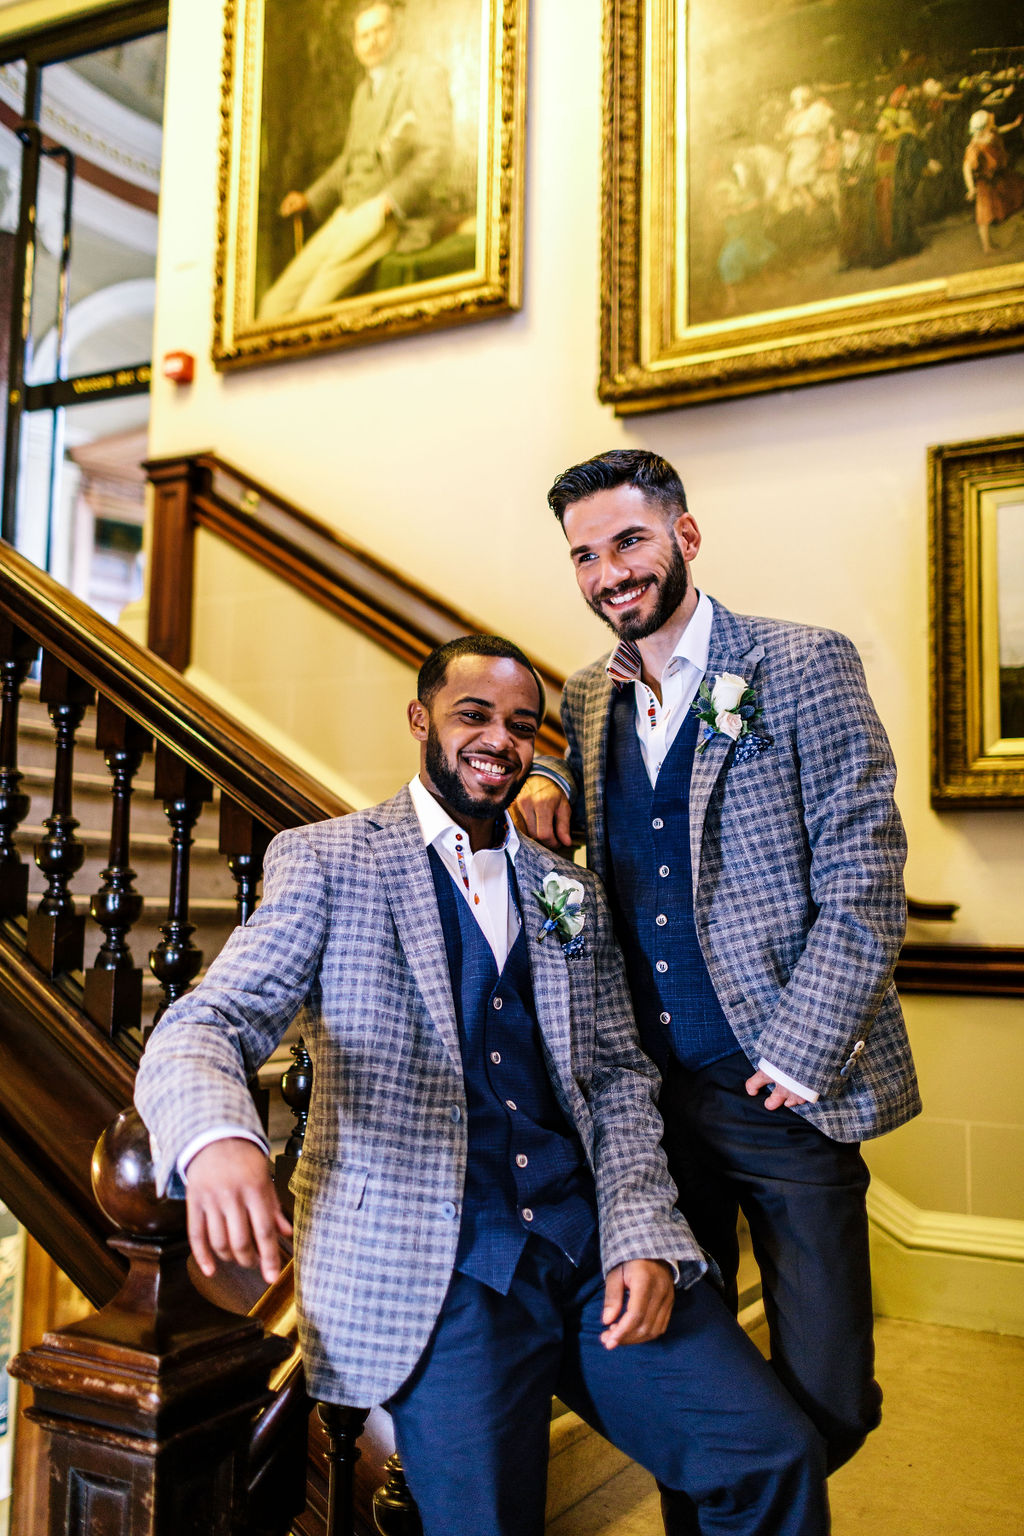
(124, 1182)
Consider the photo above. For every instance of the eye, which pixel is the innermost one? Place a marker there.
(634, 538)
(470, 714)
(584, 559)
(524, 728)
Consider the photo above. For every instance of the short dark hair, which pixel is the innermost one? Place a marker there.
(619, 466)
(434, 670)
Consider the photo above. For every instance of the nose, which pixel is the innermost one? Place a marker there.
(612, 570)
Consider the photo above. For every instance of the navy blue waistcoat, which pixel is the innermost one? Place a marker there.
(651, 890)
(526, 1171)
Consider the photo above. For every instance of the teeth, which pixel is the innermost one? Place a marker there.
(496, 770)
(627, 597)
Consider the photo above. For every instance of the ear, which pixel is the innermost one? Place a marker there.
(687, 536)
(419, 720)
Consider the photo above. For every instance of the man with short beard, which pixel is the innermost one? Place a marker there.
(483, 1212)
(734, 788)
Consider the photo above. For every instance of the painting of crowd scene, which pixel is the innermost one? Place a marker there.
(841, 147)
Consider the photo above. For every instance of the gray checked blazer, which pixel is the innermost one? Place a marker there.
(349, 931)
(797, 851)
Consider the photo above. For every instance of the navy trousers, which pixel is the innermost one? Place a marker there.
(803, 1196)
(698, 1407)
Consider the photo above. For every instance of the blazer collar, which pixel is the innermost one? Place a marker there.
(733, 649)
(397, 845)
(548, 965)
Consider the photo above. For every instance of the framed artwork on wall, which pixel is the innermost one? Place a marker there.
(977, 621)
(371, 175)
(794, 193)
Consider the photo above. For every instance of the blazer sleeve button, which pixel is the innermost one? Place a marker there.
(448, 1211)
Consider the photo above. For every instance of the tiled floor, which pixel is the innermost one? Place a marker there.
(947, 1461)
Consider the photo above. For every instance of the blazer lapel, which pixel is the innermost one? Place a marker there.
(548, 964)
(397, 846)
(732, 649)
(597, 717)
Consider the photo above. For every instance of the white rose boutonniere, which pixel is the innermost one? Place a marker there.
(561, 900)
(729, 708)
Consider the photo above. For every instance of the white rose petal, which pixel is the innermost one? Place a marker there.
(728, 691)
(573, 922)
(729, 724)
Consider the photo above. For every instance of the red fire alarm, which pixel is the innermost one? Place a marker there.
(179, 367)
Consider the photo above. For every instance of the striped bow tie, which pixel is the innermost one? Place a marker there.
(626, 664)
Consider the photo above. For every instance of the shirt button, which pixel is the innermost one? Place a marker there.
(448, 1211)
(663, 871)
(661, 919)
(666, 1018)
(456, 1114)
(521, 1159)
(657, 823)
(527, 1214)
(497, 1003)
(511, 1103)
(661, 966)
(495, 1057)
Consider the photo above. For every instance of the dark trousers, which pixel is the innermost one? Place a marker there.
(803, 1197)
(698, 1407)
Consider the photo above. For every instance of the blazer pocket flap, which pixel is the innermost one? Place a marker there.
(345, 1183)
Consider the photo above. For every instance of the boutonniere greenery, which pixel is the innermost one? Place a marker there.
(729, 708)
(561, 901)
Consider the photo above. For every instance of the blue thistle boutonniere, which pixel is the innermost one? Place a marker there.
(730, 708)
(561, 901)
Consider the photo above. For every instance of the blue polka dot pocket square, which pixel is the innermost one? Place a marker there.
(751, 746)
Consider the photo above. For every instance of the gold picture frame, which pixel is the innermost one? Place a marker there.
(401, 129)
(782, 207)
(976, 551)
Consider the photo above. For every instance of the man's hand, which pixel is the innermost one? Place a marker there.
(542, 811)
(233, 1210)
(292, 203)
(778, 1098)
(648, 1305)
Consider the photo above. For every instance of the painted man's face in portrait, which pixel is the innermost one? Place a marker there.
(373, 35)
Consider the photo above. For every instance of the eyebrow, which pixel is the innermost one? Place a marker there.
(468, 698)
(623, 533)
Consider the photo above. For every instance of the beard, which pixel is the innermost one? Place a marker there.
(670, 589)
(445, 778)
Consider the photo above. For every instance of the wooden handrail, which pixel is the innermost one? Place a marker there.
(204, 491)
(154, 694)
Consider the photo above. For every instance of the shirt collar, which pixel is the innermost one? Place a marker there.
(694, 644)
(435, 823)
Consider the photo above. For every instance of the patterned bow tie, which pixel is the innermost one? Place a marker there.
(626, 664)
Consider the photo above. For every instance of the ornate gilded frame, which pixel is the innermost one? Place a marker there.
(973, 763)
(492, 285)
(651, 356)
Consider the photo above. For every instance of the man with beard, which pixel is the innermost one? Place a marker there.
(483, 1212)
(734, 788)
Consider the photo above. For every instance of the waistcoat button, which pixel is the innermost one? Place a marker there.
(661, 919)
(495, 1057)
(527, 1214)
(521, 1159)
(497, 1003)
(661, 966)
(666, 1018)
(663, 871)
(511, 1104)
(657, 823)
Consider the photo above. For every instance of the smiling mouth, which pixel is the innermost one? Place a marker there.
(488, 771)
(631, 595)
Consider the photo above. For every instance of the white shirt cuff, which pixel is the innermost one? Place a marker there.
(783, 1080)
(215, 1133)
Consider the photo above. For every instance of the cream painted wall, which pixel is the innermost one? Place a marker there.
(437, 453)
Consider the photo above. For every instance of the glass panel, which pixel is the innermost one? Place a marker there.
(95, 535)
(105, 107)
(12, 96)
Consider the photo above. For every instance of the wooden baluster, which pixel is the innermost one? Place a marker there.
(113, 984)
(184, 791)
(148, 1405)
(243, 839)
(343, 1426)
(297, 1092)
(56, 934)
(394, 1508)
(17, 653)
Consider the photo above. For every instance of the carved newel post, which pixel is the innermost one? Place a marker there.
(148, 1404)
